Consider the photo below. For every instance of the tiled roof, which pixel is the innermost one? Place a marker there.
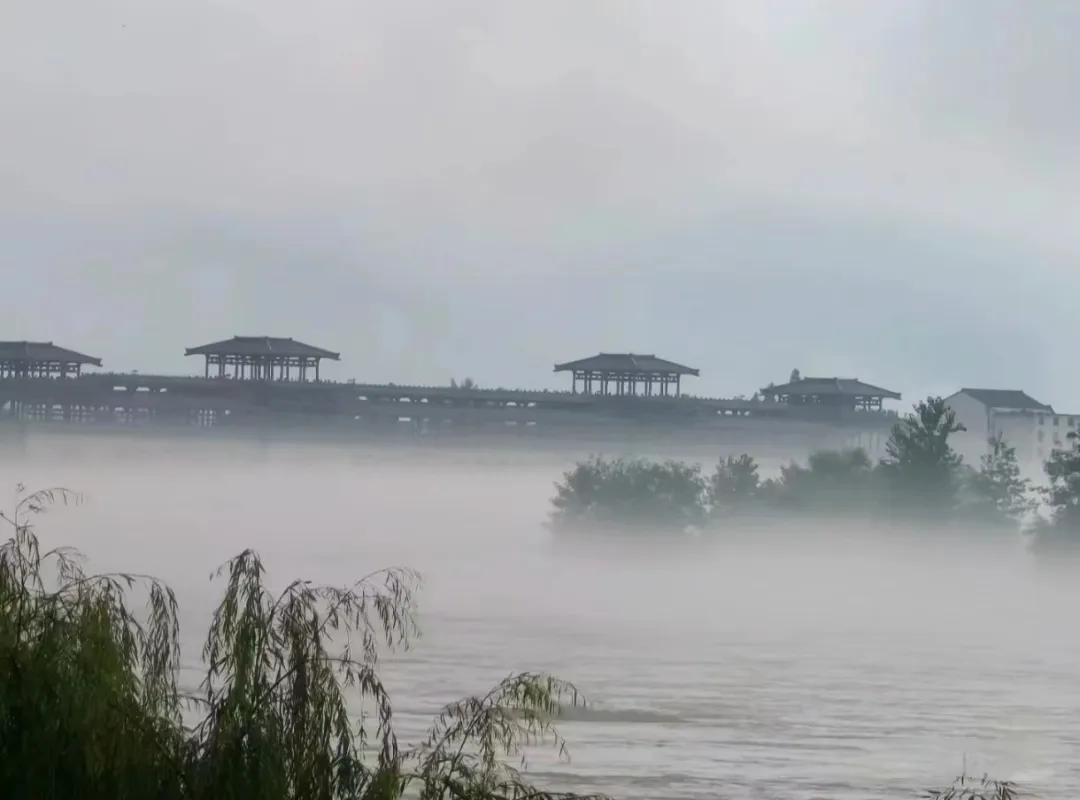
(261, 346)
(1012, 399)
(626, 363)
(42, 353)
(847, 387)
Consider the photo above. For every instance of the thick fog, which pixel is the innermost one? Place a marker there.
(812, 661)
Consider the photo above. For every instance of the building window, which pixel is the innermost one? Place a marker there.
(1042, 419)
(1057, 420)
(1072, 422)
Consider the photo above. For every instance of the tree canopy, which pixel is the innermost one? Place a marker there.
(921, 478)
(920, 467)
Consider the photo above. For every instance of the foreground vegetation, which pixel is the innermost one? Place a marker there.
(291, 706)
(921, 481)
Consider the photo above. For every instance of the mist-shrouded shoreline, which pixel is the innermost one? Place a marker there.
(814, 660)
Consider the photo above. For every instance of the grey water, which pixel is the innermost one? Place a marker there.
(807, 665)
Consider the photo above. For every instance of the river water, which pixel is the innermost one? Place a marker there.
(812, 666)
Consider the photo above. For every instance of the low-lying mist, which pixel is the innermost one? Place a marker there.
(476, 535)
(920, 649)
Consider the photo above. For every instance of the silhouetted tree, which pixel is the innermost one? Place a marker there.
(1061, 529)
(996, 494)
(832, 482)
(734, 485)
(920, 467)
(467, 383)
(796, 376)
(630, 493)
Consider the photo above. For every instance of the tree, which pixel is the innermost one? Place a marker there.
(996, 494)
(90, 706)
(1062, 498)
(832, 482)
(631, 494)
(734, 485)
(467, 384)
(920, 467)
(796, 376)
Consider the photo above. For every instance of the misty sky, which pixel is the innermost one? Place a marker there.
(440, 188)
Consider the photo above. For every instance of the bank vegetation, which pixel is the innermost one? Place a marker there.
(921, 484)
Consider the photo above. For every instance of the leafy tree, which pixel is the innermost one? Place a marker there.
(630, 493)
(466, 384)
(920, 467)
(734, 485)
(795, 377)
(90, 707)
(832, 482)
(1062, 498)
(996, 494)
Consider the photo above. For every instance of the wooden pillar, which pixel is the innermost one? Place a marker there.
(317, 370)
(678, 385)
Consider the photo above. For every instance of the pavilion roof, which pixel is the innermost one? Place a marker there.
(846, 387)
(43, 353)
(627, 363)
(265, 346)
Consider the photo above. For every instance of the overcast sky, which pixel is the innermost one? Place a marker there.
(438, 188)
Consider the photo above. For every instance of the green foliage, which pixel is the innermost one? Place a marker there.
(88, 700)
(1063, 493)
(1060, 530)
(921, 476)
(832, 482)
(734, 486)
(996, 494)
(920, 467)
(630, 493)
(90, 708)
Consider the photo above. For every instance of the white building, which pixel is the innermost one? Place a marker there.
(1033, 428)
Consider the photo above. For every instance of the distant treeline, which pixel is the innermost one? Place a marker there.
(921, 480)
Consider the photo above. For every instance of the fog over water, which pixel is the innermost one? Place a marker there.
(812, 664)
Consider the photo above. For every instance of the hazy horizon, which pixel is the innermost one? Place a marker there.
(474, 188)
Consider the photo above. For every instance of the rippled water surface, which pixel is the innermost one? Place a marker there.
(812, 667)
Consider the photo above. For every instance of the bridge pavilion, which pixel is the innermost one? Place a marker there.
(626, 374)
(42, 360)
(262, 358)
